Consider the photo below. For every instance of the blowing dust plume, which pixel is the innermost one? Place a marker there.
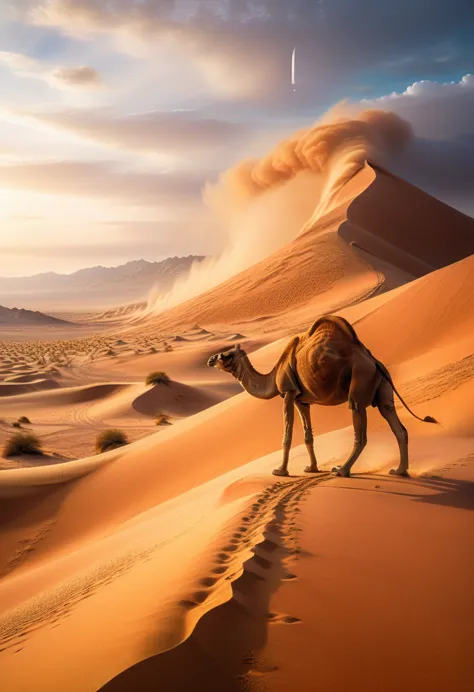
(261, 204)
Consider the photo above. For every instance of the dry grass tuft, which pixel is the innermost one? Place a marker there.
(110, 439)
(22, 443)
(158, 377)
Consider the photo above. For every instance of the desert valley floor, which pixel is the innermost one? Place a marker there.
(178, 562)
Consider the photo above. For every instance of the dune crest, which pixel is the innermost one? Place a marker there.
(262, 204)
(137, 560)
(380, 232)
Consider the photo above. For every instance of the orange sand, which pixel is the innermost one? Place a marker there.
(178, 562)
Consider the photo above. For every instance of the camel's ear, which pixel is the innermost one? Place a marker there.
(237, 347)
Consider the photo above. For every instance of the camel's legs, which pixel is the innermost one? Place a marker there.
(289, 419)
(365, 380)
(386, 407)
(305, 415)
(359, 420)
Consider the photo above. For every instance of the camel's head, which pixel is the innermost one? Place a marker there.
(226, 360)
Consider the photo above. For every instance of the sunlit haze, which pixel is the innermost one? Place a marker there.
(114, 116)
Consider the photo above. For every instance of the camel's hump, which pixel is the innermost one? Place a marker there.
(340, 322)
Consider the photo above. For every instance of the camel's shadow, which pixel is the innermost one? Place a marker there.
(451, 492)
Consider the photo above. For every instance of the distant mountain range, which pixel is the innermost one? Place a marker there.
(94, 287)
(20, 318)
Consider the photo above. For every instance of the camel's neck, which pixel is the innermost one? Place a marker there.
(256, 384)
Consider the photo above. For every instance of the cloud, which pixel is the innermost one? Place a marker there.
(103, 179)
(17, 61)
(439, 110)
(242, 48)
(182, 133)
(117, 242)
(58, 250)
(440, 158)
(90, 252)
(80, 77)
(76, 77)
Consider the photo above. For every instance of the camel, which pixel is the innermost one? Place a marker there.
(328, 365)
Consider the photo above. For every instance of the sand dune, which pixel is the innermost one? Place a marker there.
(397, 225)
(207, 550)
(69, 418)
(309, 267)
(288, 600)
(26, 377)
(175, 400)
(398, 222)
(444, 313)
(66, 396)
(261, 420)
(33, 385)
(179, 560)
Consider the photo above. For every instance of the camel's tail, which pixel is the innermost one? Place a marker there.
(382, 369)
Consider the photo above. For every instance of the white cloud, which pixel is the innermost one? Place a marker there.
(437, 110)
(61, 77)
(17, 61)
(187, 135)
(105, 180)
(440, 158)
(241, 50)
(429, 89)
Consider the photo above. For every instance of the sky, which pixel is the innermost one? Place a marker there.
(114, 115)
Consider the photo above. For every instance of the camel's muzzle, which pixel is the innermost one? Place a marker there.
(212, 361)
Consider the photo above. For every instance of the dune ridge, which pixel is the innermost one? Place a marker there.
(393, 221)
(136, 560)
(386, 219)
(272, 286)
(34, 385)
(243, 410)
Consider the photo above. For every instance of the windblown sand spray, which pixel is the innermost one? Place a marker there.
(262, 204)
(255, 225)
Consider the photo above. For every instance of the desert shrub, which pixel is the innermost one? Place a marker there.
(168, 348)
(153, 350)
(16, 424)
(158, 377)
(110, 439)
(162, 419)
(24, 419)
(22, 443)
(110, 352)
